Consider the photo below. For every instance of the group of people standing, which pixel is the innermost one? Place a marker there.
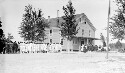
(30, 47)
(39, 47)
(10, 47)
(85, 48)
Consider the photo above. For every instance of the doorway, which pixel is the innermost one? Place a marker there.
(82, 42)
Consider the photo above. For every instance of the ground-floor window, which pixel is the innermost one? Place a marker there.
(50, 40)
(75, 41)
(61, 41)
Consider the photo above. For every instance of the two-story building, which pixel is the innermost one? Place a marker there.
(85, 35)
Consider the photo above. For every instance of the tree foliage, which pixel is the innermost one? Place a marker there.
(10, 36)
(69, 27)
(1, 30)
(33, 25)
(2, 43)
(117, 27)
(118, 44)
(103, 40)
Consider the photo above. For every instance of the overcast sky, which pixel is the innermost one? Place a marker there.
(11, 12)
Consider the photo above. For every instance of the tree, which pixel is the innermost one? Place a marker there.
(118, 45)
(103, 40)
(117, 26)
(33, 25)
(3, 40)
(69, 27)
(10, 36)
(2, 44)
(1, 31)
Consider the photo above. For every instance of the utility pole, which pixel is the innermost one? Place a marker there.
(108, 30)
(57, 18)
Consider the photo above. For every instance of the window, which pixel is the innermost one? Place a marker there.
(80, 19)
(50, 32)
(85, 22)
(61, 41)
(75, 41)
(50, 40)
(82, 31)
(89, 33)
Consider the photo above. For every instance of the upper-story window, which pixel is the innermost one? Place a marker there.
(89, 33)
(82, 31)
(80, 19)
(85, 22)
(50, 31)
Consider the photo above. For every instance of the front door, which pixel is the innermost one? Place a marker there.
(82, 42)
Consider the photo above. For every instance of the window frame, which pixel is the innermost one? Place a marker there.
(51, 31)
(80, 19)
(85, 22)
(75, 41)
(61, 41)
(51, 41)
(82, 31)
(90, 33)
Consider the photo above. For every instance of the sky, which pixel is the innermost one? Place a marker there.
(11, 12)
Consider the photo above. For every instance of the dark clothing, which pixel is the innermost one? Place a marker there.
(104, 44)
(15, 47)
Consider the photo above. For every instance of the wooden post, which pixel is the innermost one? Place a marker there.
(87, 41)
(108, 30)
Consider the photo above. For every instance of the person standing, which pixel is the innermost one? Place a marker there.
(15, 47)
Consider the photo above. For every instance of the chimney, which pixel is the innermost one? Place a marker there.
(48, 18)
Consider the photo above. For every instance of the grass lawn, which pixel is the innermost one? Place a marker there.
(77, 62)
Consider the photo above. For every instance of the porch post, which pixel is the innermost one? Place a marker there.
(93, 42)
(87, 41)
(79, 39)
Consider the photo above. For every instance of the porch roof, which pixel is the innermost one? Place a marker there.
(88, 37)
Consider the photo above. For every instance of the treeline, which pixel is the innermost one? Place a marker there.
(9, 46)
(118, 47)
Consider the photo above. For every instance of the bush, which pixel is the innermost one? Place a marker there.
(118, 45)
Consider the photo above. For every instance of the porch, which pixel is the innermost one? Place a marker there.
(84, 41)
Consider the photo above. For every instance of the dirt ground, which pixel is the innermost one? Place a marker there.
(73, 62)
